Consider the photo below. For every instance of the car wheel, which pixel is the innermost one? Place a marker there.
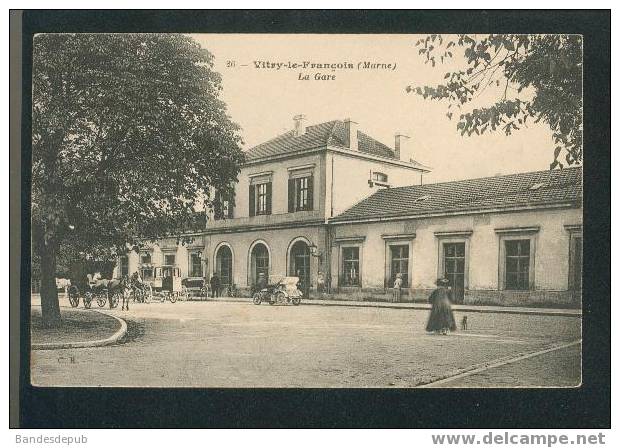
(256, 299)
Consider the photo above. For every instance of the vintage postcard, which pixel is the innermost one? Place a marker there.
(307, 210)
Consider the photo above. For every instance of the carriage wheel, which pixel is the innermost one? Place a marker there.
(88, 298)
(296, 300)
(74, 296)
(278, 297)
(256, 299)
(173, 297)
(101, 300)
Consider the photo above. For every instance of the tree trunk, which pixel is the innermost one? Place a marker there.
(50, 308)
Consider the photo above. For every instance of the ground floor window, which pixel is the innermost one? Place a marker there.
(260, 262)
(517, 252)
(350, 275)
(195, 264)
(146, 273)
(223, 265)
(454, 267)
(300, 264)
(399, 257)
(575, 256)
(517, 264)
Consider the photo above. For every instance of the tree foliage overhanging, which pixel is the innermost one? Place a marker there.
(129, 139)
(548, 67)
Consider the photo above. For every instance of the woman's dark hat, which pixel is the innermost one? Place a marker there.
(443, 282)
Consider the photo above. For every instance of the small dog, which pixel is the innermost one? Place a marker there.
(464, 323)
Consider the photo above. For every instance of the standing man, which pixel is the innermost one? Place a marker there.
(215, 285)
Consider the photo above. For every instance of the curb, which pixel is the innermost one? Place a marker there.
(456, 308)
(534, 312)
(83, 344)
(475, 369)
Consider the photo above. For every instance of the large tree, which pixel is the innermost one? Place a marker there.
(129, 139)
(534, 76)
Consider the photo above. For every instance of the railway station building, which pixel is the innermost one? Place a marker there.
(347, 213)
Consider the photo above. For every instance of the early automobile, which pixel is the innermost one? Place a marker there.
(284, 291)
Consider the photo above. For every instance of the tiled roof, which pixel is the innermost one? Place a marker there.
(330, 133)
(524, 189)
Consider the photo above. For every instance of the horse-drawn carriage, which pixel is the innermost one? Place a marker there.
(167, 284)
(93, 287)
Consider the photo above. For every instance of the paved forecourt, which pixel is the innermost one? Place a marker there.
(218, 344)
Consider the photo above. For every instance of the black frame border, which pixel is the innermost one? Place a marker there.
(584, 407)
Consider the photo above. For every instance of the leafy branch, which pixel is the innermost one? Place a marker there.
(543, 71)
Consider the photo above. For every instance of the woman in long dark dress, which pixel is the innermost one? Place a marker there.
(441, 319)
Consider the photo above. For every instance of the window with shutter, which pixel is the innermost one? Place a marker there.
(230, 209)
(262, 202)
(310, 193)
(268, 208)
(300, 193)
(291, 195)
(252, 204)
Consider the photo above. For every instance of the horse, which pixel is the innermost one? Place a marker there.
(123, 287)
(137, 285)
(114, 286)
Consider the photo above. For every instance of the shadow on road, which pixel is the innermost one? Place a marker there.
(135, 332)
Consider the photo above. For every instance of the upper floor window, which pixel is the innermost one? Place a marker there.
(169, 259)
(379, 177)
(300, 194)
(145, 258)
(260, 199)
(223, 206)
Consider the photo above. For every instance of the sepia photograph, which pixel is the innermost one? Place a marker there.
(306, 210)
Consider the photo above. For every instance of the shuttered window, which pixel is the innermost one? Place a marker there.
(301, 194)
(260, 199)
(223, 207)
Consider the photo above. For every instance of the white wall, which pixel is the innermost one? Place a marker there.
(351, 175)
(551, 256)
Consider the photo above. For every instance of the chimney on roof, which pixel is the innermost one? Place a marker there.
(300, 124)
(401, 147)
(350, 134)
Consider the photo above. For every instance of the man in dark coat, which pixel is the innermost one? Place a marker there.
(215, 285)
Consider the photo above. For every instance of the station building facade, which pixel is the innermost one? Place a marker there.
(347, 213)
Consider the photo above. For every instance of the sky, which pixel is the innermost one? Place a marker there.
(263, 101)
